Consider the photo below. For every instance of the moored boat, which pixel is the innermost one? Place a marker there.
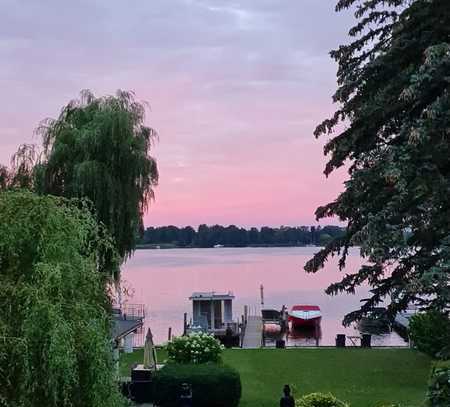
(305, 315)
(375, 322)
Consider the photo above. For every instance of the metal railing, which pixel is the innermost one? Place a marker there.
(133, 311)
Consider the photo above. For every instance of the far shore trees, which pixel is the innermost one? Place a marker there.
(233, 236)
(393, 125)
(98, 148)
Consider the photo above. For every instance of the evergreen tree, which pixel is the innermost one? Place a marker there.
(394, 101)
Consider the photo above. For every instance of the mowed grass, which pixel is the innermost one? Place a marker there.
(362, 377)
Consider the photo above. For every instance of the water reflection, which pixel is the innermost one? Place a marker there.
(164, 279)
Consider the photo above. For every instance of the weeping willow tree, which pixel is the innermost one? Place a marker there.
(393, 127)
(21, 174)
(55, 346)
(4, 177)
(99, 148)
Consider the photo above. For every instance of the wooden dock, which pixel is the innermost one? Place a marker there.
(253, 333)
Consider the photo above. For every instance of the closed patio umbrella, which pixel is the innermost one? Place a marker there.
(149, 352)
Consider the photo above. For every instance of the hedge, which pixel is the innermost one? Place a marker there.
(438, 394)
(430, 332)
(213, 385)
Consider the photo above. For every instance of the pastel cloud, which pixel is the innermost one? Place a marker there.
(236, 89)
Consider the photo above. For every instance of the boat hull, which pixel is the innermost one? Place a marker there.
(300, 322)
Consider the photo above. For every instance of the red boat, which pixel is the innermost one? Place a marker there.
(305, 316)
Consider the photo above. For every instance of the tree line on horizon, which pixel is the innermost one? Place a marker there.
(234, 236)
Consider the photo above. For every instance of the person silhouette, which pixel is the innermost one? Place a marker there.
(287, 400)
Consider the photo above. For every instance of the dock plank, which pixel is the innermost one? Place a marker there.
(253, 333)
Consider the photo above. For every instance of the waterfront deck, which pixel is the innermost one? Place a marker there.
(129, 319)
(253, 333)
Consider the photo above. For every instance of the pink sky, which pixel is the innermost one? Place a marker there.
(236, 90)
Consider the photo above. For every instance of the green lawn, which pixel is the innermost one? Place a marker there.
(363, 377)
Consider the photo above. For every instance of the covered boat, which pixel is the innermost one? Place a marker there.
(305, 315)
(269, 314)
(375, 321)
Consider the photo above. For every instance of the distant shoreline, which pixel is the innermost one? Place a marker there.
(166, 246)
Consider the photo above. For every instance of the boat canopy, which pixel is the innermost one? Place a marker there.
(212, 311)
(211, 295)
(271, 314)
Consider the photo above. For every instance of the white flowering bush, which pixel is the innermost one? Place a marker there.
(195, 348)
(319, 400)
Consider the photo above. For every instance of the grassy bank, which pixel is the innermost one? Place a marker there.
(365, 378)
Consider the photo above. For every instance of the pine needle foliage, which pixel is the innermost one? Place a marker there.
(55, 343)
(393, 125)
(98, 148)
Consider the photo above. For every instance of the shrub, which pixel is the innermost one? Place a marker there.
(194, 348)
(213, 385)
(430, 332)
(438, 394)
(320, 400)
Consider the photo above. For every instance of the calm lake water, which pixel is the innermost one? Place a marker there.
(163, 280)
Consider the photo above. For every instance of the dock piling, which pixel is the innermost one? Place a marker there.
(185, 324)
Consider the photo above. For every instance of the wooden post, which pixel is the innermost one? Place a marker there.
(261, 289)
(185, 324)
(243, 326)
(213, 316)
(169, 336)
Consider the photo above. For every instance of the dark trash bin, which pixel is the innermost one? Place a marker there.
(340, 341)
(228, 340)
(141, 385)
(366, 341)
(280, 344)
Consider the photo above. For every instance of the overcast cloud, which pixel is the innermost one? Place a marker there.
(235, 87)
